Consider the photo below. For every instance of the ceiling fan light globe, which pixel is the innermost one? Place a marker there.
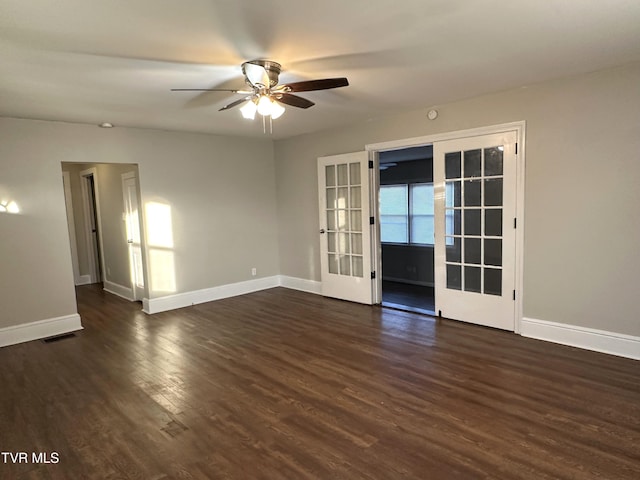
(276, 110)
(248, 110)
(265, 106)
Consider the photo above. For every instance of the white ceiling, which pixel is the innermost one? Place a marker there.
(92, 61)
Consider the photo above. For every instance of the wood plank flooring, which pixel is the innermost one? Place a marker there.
(282, 384)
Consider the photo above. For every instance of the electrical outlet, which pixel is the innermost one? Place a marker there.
(254, 271)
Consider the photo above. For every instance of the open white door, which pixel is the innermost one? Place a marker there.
(345, 232)
(132, 225)
(475, 248)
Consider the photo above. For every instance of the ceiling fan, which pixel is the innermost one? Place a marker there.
(265, 95)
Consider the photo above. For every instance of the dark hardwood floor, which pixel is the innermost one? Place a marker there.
(282, 384)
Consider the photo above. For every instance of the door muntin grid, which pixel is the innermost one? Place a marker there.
(343, 188)
(474, 233)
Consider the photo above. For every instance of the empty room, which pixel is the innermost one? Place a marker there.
(337, 240)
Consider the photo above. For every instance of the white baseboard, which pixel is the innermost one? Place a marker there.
(119, 290)
(582, 337)
(180, 300)
(83, 280)
(40, 329)
(309, 286)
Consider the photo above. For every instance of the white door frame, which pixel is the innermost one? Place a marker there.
(376, 244)
(86, 199)
(520, 129)
(73, 242)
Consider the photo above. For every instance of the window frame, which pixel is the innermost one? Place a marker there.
(409, 215)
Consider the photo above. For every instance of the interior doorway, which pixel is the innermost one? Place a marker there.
(406, 218)
(477, 177)
(92, 224)
(108, 245)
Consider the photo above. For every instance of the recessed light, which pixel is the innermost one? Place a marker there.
(106, 125)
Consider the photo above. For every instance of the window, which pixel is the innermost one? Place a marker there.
(407, 214)
(421, 213)
(394, 213)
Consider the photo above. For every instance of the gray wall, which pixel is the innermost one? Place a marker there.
(582, 224)
(36, 276)
(220, 192)
(408, 264)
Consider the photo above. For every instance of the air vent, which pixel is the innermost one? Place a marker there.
(57, 338)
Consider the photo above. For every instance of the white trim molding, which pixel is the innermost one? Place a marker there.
(453, 135)
(186, 299)
(40, 329)
(588, 338)
(294, 283)
(119, 290)
(180, 300)
(71, 225)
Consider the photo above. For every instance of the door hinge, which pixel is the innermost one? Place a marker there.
(370, 163)
(515, 222)
(514, 294)
(372, 220)
(516, 148)
(373, 275)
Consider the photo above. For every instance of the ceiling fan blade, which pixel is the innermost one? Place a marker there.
(294, 100)
(209, 90)
(256, 74)
(321, 84)
(234, 104)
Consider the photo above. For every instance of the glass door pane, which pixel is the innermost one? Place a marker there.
(473, 210)
(344, 219)
(344, 230)
(475, 249)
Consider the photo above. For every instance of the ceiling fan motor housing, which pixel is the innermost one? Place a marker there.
(273, 70)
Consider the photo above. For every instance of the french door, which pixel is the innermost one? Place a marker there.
(345, 231)
(475, 209)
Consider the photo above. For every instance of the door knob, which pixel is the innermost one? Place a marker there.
(322, 230)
